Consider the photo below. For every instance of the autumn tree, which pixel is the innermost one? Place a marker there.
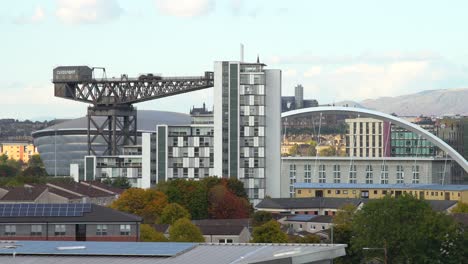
(149, 234)
(225, 205)
(270, 232)
(184, 231)
(173, 212)
(147, 203)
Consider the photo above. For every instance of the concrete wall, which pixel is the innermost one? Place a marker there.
(273, 80)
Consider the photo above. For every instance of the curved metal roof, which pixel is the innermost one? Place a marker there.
(146, 121)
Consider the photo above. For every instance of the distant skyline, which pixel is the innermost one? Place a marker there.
(338, 50)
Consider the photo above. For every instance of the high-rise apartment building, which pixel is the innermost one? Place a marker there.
(247, 126)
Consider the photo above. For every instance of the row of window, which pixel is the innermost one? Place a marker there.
(353, 174)
(60, 230)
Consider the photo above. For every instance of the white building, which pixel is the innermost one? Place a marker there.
(247, 126)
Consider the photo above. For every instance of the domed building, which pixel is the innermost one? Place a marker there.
(67, 142)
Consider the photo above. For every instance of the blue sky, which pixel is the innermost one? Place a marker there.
(338, 50)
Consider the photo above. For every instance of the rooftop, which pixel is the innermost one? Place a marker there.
(71, 252)
(310, 218)
(23, 194)
(81, 189)
(438, 187)
(95, 213)
(303, 203)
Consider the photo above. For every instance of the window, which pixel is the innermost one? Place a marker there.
(36, 230)
(415, 174)
(224, 241)
(369, 174)
(384, 174)
(322, 174)
(400, 174)
(352, 174)
(308, 173)
(292, 179)
(101, 230)
(124, 230)
(59, 230)
(10, 230)
(336, 174)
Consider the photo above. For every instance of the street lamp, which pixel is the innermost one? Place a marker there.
(384, 250)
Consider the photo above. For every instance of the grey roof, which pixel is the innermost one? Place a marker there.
(223, 222)
(23, 194)
(441, 205)
(91, 248)
(146, 121)
(202, 253)
(303, 203)
(81, 189)
(310, 218)
(98, 214)
(229, 230)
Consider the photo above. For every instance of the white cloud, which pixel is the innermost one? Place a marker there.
(37, 17)
(185, 8)
(336, 78)
(313, 71)
(29, 101)
(87, 11)
(290, 73)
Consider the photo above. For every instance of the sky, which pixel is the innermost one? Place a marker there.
(337, 49)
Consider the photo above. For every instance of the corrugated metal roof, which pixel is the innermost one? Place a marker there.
(303, 185)
(203, 253)
(161, 249)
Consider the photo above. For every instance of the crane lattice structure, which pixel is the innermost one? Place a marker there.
(113, 99)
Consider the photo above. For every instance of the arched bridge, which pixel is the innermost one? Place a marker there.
(393, 119)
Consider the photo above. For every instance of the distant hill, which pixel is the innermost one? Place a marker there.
(429, 103)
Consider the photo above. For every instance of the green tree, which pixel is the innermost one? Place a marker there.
(293, 150)
(270, 232)
(307, 239)
(7, 170)
(3, 158)
(192, 194)
(342, 233)
(460, 208)
(261, 217)
(173, 212)
(35, 161)
(118, 182)
(184, 231)
(149, 234)
(34, 171)
(328, 152)
(408, 229)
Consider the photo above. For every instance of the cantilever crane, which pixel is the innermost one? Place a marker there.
(113, 99)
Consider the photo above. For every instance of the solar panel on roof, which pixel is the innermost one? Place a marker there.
(44, 210)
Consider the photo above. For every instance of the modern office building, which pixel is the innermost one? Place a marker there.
(454, 131)
(405, 143)
(247, 126)
(366, 137)
(360, 170)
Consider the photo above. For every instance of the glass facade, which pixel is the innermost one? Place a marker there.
(409, 144)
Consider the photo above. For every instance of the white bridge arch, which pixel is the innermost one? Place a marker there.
(393, 119)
